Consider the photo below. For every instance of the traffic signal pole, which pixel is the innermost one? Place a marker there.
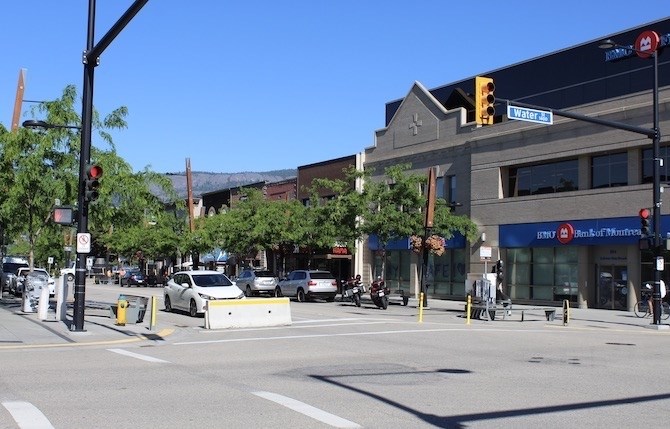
(91, 59)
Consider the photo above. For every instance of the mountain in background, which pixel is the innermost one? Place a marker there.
(204, 182)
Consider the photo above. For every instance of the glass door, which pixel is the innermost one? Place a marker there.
(612, 292)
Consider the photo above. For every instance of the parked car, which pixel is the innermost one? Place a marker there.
(69, 271)
(22, 273)
(133, 278)
(37, 277)
(190, 290)
(256, 282)
(10, 266)
(308, 284)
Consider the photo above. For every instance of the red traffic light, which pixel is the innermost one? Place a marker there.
(94, 171)
(645, 213)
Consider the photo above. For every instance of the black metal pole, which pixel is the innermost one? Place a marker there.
(84, 159)
(656, 209)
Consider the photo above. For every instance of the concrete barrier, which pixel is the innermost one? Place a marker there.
(247, 313)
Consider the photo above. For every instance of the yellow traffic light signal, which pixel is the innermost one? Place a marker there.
(484, 100)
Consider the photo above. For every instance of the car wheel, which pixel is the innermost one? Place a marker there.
(193, 309)
(70, 277)
(247, 291)
(301, 295)
(278, 293)
(168, 304)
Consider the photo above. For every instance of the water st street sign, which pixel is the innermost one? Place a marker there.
(530, 115)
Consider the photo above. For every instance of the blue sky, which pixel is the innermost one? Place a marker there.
(264, 85)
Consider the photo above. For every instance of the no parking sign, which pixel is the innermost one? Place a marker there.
(83, 242)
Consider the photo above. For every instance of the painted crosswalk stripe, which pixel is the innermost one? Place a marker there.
(138, 356)
(308, 410)
(27, 416)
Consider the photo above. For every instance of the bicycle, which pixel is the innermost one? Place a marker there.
(642, 309)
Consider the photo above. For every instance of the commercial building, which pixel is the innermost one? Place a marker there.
(558, 204)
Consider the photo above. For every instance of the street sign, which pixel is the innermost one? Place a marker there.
(83, 242)
(485, 252)
(530, 115)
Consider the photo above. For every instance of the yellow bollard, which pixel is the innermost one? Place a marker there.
(121, 306)
(421, 307)
(468, 310)
(566, 312)
(152, 323)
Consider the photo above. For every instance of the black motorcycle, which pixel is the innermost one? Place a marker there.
(352, 290)
(380, 293)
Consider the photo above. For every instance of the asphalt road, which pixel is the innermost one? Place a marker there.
(347, 367)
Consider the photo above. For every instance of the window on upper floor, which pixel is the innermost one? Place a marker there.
(648, 166)
(609, 170)
(547, 178)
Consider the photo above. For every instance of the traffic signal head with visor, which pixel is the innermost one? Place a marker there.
(92, 182)
(484, 100)
(645, 219)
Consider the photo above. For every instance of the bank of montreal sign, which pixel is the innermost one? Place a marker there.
(610, 231)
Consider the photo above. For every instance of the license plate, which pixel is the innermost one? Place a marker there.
(381, 293)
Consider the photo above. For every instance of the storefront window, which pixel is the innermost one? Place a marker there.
(447, 273)
(397, 269)
(543, 273)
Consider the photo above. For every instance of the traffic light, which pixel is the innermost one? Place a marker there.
(484, 100)
(645, 227)
(499, 270)
(92, 182)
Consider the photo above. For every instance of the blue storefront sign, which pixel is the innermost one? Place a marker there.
(590, 232)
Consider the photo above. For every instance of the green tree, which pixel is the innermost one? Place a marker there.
(39, 167)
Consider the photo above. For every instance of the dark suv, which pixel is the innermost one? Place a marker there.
(10, 268)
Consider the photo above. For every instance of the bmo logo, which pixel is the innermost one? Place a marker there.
(565, 233)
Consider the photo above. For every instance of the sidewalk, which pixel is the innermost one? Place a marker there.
(19, 329)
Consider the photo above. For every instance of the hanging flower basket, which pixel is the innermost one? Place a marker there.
(416, 243)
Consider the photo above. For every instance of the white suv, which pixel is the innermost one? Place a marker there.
(307, 284)
(69, 272)
(253, 282)
(23, 273)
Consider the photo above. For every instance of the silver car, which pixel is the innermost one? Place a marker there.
(308, 284)
(256, 282)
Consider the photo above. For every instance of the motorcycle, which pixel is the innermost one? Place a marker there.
(352, 291)
(379, 293)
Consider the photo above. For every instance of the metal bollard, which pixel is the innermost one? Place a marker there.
(43, 304)
(121, 306)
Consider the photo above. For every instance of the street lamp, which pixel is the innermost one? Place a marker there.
(32, 123)
(656, 142)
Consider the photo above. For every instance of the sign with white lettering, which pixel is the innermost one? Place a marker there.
(530, 115)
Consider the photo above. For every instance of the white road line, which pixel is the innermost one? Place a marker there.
(344, 319)
(276, 328)
(355, 334)
(308, 410)
(138, 356)
(27, 416)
